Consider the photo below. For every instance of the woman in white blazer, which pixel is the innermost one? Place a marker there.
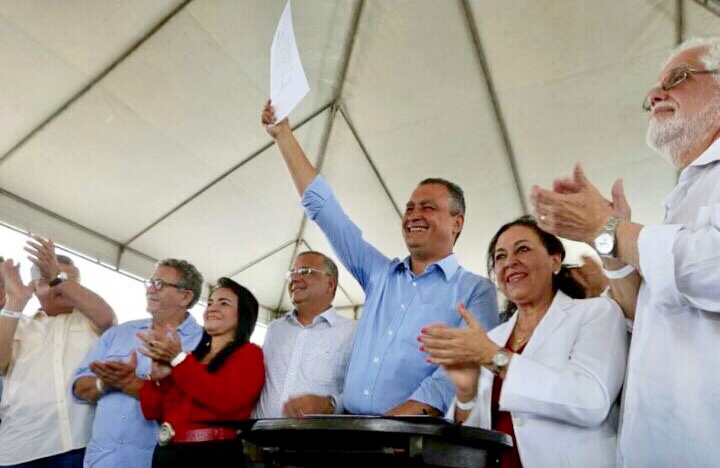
(555, 367)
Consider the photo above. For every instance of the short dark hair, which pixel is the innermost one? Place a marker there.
(562, 281)
(457, 196)
(247, 312)
(190, 278)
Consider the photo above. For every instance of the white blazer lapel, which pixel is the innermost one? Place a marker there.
(552, 319)
(501, 333)
(482, 413)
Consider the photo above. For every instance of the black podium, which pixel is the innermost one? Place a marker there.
(357, 441)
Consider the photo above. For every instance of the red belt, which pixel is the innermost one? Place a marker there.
(204, 435)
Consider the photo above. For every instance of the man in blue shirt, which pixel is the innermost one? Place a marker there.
(388, 374)
(113, 372)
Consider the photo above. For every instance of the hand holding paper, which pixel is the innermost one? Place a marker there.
(288, 83)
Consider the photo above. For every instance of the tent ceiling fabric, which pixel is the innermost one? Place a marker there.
(129, 129)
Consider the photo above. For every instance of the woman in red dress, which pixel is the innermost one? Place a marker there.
(221, 380)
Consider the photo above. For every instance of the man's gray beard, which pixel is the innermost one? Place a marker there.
(675, 137)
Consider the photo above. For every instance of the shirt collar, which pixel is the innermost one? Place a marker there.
(708, 156)
(330, 316)
(186, 328)
(447, 265)
(41, 313)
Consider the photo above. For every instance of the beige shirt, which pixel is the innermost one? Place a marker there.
(39, 416)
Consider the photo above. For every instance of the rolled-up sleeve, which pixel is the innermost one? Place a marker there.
(97, 353)
(355, 253)
(681, 266)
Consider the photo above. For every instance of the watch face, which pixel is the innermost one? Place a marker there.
(604, 243)
(62, 275)
(501, 359)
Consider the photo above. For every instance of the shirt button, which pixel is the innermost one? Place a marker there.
(402, 306)
(366, 392)
(376, 360)
(414, 283)
(120, 442)
(123, 417)
(390, 333)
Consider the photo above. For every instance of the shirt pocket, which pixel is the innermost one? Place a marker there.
(81, 337)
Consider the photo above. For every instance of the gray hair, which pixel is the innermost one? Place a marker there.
(710, 57)
(330, 266)
(190, 278)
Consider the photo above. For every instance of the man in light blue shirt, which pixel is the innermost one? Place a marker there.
(388, 374)
(113, 371)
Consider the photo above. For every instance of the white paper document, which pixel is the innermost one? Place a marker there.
(288, 83)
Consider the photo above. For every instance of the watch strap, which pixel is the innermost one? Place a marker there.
(177, 360)
(496, 369)
(466, 406)
(619, 274)
(55, 281)
(610, 228)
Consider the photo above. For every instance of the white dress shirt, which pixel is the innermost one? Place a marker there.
(561, 389)
(671, 401)
(303, 360)
(39, 416)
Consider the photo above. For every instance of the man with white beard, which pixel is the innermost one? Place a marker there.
(666, 277)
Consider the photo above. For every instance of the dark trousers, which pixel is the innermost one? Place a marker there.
(203, 454)
(71, 459)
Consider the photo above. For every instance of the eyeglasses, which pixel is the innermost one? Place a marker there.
(303, 271)
(674, 78)
(158, 284)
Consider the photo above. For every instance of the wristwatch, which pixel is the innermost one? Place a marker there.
(606, 242)
(62, 276)
(500, 361)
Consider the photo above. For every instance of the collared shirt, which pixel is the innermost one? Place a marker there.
(303, 360)
(671, 400)
(39, 416)
(386, 366)
(121, 436)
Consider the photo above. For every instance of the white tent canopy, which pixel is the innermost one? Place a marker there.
(129, 129)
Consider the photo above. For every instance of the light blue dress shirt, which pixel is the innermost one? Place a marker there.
(121, 436)
(386, 366)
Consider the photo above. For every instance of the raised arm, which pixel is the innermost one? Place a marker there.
(18, 296)
(576, 210)
(301, 171)
(94, 307)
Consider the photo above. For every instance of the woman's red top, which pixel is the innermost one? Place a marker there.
(502, 421)
(192, 394)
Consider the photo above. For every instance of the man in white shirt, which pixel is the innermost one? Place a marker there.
(665, 277)
(306, 351)
(41, 424)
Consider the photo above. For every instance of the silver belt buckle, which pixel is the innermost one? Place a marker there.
(165, 434)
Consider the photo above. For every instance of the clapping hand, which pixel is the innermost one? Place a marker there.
(116, 374)
(18, 294)
(163, 347)
(450, 346)
(42, 254)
